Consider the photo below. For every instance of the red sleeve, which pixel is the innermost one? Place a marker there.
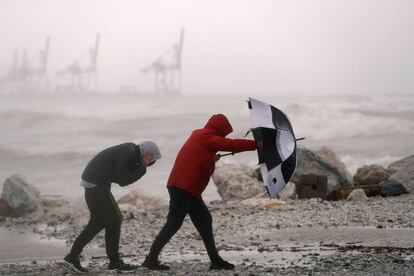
(218, 143)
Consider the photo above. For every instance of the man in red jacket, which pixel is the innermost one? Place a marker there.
(189, 177)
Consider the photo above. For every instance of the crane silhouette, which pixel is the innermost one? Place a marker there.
(167, 69)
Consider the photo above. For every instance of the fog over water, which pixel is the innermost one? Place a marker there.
(231, 47)
(341, 70)
(50, 138)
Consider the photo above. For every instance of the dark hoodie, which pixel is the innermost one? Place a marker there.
(117, 164)
(195, 161)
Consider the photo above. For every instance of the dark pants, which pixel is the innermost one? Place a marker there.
(181, 204)
(104, 214)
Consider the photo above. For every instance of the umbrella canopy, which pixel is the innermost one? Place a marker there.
(277, 159)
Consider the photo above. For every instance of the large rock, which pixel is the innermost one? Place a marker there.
(236, 182)
(391, 187)
(329, 156)
(20, 196)
(357, 195)
(345, 192)
(371, 175)
(309, 163)
(398, 165)
(405, 175)
(139, 200)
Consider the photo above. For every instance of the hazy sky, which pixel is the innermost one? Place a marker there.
(234, 46)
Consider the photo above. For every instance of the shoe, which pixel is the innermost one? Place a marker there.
(154, 264)
(120, 266)
(74, 264)
(221, 264)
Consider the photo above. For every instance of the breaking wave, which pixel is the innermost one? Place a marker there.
(333, 120)
(51, 138)
(67, 156)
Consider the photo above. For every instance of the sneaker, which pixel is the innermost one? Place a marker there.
(74, 264)
(221, 264)
(154, 264)
(120, 266)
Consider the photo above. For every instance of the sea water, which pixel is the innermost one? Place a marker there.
(49, 138)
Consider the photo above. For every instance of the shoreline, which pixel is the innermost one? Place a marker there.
(287, 240)
(309, 255)
(312, 237)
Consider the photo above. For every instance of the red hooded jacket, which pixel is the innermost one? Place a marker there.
(195, 161)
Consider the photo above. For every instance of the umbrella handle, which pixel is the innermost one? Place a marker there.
(303, 138)
(226, 154)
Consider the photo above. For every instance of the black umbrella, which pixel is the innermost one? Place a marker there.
(277, 158)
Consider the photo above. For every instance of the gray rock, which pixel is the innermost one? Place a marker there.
(391, 187)
(21, 196)
(357, 195)
(309, 163)
(371, 175)
(398, 165)
(236, 182)
(329, 156)
(405, 176)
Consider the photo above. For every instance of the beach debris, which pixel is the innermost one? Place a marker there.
(236, 182)
(20, 196)
(4, 208)
(357, 195)
(405, 175)
(271, 202)
(264, 202)
(141, 201)
(391, 187)
(371, 175)
(312, 186)
(254, 201)
(309, 163)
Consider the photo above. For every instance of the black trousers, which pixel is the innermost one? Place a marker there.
(181, 204)
(104, 214)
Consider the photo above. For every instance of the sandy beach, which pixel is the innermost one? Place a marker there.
(303, 237)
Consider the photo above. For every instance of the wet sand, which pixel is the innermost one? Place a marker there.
(303, 237)
(20, 245)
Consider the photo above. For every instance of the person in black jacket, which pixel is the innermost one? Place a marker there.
(122, 164)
